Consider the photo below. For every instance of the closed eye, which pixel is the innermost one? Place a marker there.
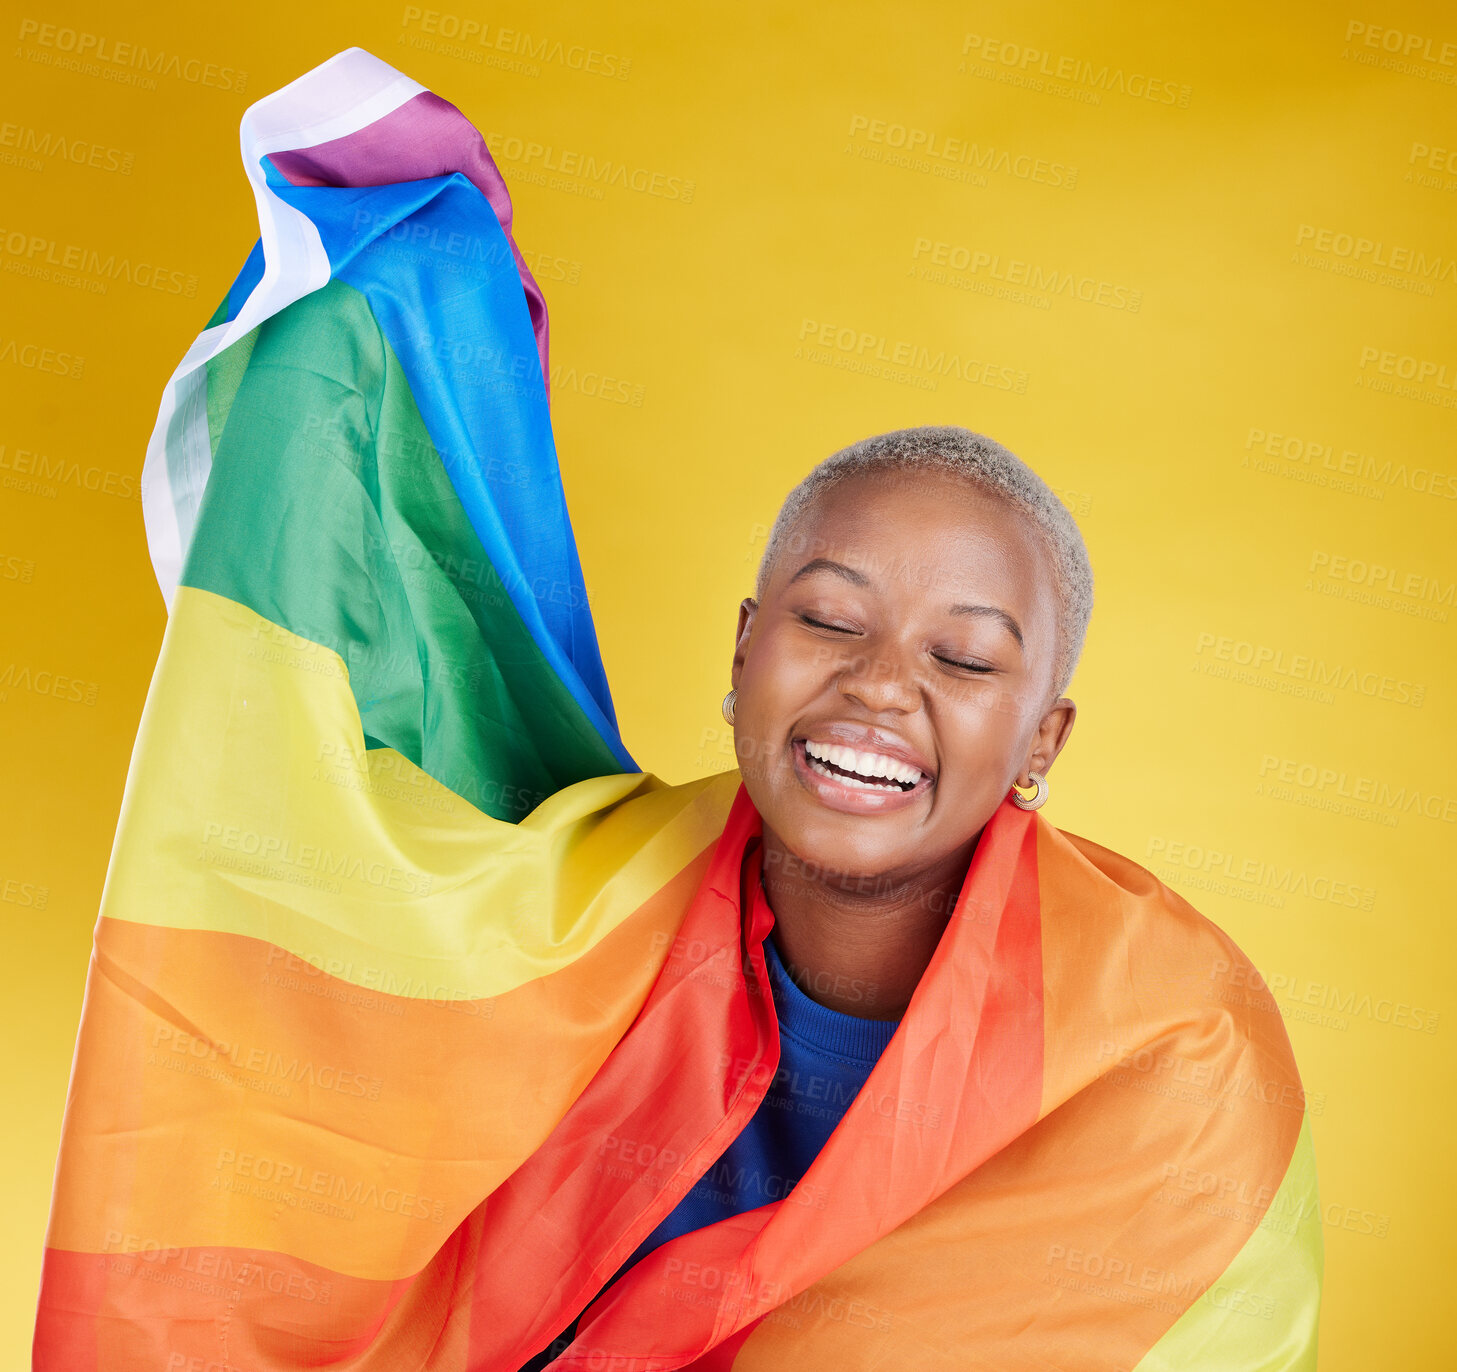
(950, 661)
(820, 624)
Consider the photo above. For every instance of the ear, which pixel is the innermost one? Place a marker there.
(1052, 733)
(748, 607)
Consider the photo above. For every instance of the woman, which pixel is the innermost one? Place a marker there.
(424, 1032)
(919, 610)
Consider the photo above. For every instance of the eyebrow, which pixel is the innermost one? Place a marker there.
(825, 564)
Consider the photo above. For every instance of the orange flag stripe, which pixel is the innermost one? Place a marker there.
(207, 1114)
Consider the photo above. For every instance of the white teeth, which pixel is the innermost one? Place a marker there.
(875, 766)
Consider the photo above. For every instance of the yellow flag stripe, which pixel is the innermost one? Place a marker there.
(1273, 1280)
(253, 807)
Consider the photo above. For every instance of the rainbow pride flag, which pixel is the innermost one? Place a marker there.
(414, 1006)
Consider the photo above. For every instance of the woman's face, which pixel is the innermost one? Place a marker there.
(897, 675)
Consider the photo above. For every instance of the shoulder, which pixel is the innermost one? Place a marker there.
(1112, 897)
(1169, 990)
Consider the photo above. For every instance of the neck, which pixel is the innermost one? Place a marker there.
(854, 949)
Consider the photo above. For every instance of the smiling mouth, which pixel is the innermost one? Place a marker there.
(860, 770)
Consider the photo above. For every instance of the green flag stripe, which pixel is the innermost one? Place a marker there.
(330, 513)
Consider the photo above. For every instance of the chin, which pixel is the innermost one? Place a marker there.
(840, 846)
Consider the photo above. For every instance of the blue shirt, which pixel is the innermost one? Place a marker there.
(825, 1058)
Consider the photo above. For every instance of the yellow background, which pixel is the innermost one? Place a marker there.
(1208, 535)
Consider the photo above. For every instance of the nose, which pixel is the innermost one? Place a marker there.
(878, 681)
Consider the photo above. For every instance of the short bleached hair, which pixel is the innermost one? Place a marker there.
(990, 468)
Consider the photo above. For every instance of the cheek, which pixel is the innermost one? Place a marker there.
(984, 727)
(783, 672)
(780, 683)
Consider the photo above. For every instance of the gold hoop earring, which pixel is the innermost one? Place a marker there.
(729, 702)
(1034, 801)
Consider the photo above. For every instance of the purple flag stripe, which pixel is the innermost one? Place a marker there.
(424, 137)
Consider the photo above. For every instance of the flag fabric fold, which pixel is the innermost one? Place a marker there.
(414, 1006)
